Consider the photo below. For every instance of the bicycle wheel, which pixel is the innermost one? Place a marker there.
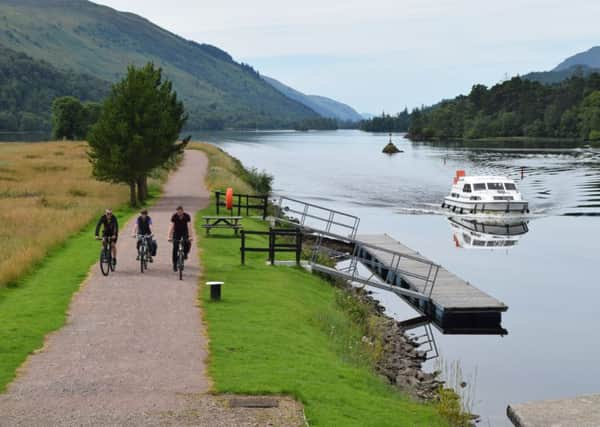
(105, 263)
(180, 265)
(142, 259)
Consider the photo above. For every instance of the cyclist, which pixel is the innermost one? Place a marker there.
(180, 228)
(110, 231)
(143, 227)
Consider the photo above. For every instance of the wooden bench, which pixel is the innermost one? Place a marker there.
(231, 222)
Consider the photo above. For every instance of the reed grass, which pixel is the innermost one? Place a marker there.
(47, 194)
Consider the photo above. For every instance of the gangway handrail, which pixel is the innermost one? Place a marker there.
(429, 279)
(329, 217)
(376, 284)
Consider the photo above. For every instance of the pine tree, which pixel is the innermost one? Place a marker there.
(138, 130)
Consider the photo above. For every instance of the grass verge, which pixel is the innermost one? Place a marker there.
(279, 330)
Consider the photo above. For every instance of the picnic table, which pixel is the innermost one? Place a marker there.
(231, 222)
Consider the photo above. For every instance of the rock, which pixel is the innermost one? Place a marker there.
(391, 148)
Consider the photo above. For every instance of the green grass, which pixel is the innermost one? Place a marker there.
(269, 335)
(36, 305)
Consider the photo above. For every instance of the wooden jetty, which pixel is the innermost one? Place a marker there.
(451, 303)
(454, 304)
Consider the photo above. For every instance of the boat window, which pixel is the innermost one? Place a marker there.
(467, 188)
(495, 186)
(510, 186)
(479, 186)
(478, 243)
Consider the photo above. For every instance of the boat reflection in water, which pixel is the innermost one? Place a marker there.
(487, 234)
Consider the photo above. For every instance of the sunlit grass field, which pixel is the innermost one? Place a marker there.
(47, 194)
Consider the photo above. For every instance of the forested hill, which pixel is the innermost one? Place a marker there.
(590, 58)
(557, 76)
(88, 38)
(514, 108)
(326, 107)
(28, 87)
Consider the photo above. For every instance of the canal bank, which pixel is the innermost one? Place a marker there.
(296, 334)
(555, 254)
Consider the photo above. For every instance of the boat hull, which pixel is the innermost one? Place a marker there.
(495, 207)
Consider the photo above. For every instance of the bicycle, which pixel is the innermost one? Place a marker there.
(180, 256)
(144, 250)
(106, 259)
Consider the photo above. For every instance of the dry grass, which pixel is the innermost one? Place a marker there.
(224, 170)
(47, 193)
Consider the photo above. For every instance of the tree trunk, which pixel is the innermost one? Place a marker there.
(142, 187)
(132, 194)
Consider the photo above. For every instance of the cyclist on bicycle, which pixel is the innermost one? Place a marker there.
(143, 227)
(180, 228)
(110, 231)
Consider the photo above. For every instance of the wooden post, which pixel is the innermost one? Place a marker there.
(298, 246)
(265, 203)
(239, 205)
(218, 196)
(243, 247)
(272, 246)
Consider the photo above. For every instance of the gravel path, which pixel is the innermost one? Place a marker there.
(134, 347)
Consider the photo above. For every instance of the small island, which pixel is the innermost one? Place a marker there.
(391, 148)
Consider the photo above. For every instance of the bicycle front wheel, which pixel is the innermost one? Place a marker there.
(180, 266)
(105, 264)
(142, 260)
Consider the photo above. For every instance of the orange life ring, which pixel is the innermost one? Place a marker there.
(229, 198)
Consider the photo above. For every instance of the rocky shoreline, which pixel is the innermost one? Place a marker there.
(401, 361)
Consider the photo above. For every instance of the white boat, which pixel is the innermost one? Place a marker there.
(497, 195)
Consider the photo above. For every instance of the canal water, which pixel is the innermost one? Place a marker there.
(547, 274)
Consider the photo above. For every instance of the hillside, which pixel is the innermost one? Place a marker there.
(326, 107)
(590, 58)
(88, 38)
(557, 76)
(28, 87)
(515, 108)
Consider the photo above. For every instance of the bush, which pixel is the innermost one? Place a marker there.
(261, 182)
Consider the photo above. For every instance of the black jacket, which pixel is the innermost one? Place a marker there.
(111, 227)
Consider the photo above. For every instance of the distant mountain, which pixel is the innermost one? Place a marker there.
(556, 76)
(589, 58)
(582, 64)
(88, 38)
(326, 107)
(28, 87)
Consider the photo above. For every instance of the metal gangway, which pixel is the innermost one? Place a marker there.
(388, 270)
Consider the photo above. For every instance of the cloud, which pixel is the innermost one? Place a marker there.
(383, 53)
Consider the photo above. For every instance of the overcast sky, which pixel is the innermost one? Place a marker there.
(384, 54)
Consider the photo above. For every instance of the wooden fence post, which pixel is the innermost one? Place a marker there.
(243, 248)
(265, 204)
(271, 246)
(298, 246)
